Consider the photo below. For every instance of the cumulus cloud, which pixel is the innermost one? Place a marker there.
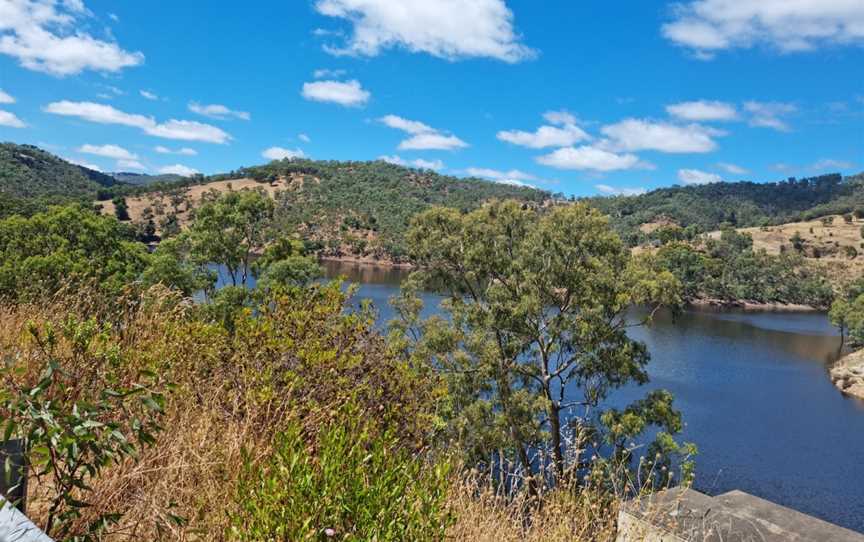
(130, 164)
(218, 111)
(171, 129)
(279, 153)
(304, 138)
(418, 163)
(108, 151)
(178, 169)
(450, 29)
(149, 95)
(695, 176)
(498, 175)
(708, 26)
(327, 73)
(619, 190)
(46, 36)
(732, 168)
(831, 164)
(10, 120)
(81, 163)
(591, 158)
(639, 135)
(185, 151)
(6, 98)
(423, 136)
(347, 93)
(703, 110)
(563, 133)
(769, 114)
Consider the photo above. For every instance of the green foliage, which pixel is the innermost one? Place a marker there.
(847, 312)
(83, 413)
(230, 229)
(350, 483)
(121, 209)
(171, 265)
(65, 245)
(536, 304)
(29, 172)
(729, 270)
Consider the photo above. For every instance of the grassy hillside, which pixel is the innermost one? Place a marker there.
(741, 204)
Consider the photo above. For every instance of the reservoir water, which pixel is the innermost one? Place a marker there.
(755, 395)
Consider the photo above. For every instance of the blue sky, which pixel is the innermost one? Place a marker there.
(576, 97)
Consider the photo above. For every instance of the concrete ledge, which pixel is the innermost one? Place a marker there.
(685, 515)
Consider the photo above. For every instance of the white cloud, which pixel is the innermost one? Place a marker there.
(831, 164)
(708, 26)
(703, 110)
(325, 73)
(10, 120)
(418, 163)
(149, 95)
(6, 98)
(348, 93)
(695, 176)
(450, 29)
(279, 153)
(45, 36)
(769, 114)
(638, 135)
(619, 191)
(423, 136)
(304, 138)
(732, 168)
(564, 134)
(81, 163)
(178, 169)
(442, 142)
(410, 126)
(185, 151)
(498, 175)
(173, 129)
(130, 164)
(217, 111)
(591, 158)
(108, 151)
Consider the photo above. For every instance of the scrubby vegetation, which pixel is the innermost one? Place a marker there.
(743, 204)
(727, 269)
(275, 412)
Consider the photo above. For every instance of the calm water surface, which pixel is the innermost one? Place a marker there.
(755, 395)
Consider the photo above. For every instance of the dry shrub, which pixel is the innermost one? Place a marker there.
(299, 357)
(570, 514)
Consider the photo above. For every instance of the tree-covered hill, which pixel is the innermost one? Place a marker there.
(30, 172)
(144, 179)
(740, 204)
(370, 203)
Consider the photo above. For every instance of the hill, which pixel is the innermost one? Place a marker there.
(139, 179)
(356, 209)
(741, 204)
(30, 172)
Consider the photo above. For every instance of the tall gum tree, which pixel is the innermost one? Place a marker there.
(535, 333)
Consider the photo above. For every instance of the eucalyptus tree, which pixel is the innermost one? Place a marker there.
(535, 332)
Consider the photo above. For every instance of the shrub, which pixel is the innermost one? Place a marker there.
(351, 483)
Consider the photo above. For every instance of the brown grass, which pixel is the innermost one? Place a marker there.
(829, 240)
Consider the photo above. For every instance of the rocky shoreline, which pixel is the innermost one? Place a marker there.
(753, 306)
(848, 374)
